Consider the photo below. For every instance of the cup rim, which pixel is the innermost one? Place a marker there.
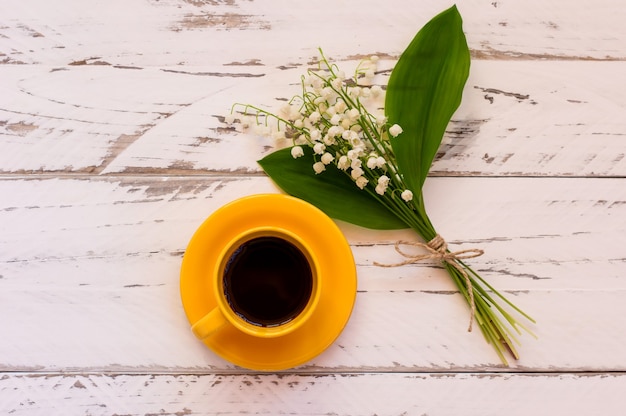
(218, 283)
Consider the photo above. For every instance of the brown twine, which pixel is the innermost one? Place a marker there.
(438, 250)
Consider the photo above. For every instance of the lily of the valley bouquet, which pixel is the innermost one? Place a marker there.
(366, 165)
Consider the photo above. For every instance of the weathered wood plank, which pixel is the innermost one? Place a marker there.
(319, 394)
(174, 32)
(517, 118)
(89, 275)
(81, 119)
(534, 224)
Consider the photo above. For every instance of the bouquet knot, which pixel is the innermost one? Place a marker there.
(438, 250)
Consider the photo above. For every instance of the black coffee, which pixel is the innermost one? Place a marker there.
(268, 281)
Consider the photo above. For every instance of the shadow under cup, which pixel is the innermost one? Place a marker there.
(267, 282)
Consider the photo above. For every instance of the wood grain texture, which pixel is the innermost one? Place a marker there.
(170, 122)
(113, 149)
(318, 394)
(178, 32)
(516, 119)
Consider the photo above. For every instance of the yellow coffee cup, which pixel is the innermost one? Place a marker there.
(249, 323)
(266, 285)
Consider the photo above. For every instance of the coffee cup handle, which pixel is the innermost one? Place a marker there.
(209, 324)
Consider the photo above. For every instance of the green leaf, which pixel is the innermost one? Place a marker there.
(424, 90)
(332, 191)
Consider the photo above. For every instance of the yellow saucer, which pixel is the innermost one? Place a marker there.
(337, 271)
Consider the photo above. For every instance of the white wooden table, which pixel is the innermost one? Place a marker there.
(113, 151)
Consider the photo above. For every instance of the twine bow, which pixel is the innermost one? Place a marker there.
(438, 250)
